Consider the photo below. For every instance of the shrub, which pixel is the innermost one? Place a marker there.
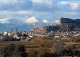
(13, 50)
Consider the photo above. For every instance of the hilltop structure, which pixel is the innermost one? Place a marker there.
(64, 24)
(68, 21)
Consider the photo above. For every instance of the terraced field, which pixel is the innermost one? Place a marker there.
(72, 43)
(27, 44)
(30, 46)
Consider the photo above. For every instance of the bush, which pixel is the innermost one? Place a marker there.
(32, 54)
(42, 52)
(13, 50)
(42, 42)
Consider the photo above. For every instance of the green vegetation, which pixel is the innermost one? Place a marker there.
(72, 43)
(32, 54)
(42, 42)
(13, 50)
(42, 52)
(40, 47)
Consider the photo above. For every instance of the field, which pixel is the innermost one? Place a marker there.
(30, 45)
(72, 43)
(27, 44)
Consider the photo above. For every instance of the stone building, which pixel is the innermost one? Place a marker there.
(65, 20)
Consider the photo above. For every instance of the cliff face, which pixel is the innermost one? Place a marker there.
(52, 28)
(68, 21)
(65, 24)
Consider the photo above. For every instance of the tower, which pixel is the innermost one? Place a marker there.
(16, 30)
(60, 20)
(11, 29)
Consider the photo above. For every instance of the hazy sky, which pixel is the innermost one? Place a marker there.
(30, 11)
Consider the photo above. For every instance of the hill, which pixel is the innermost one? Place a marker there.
(64, 24)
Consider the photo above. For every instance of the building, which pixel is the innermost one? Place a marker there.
(68, 21)
(65, 20)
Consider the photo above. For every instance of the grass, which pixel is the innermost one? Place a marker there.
(72, 43)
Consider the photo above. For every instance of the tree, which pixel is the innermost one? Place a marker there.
(42, 42)
(58, 45)
(21, 50)
(32, 54)
(8, 50)
(13, 50)
(42, 52)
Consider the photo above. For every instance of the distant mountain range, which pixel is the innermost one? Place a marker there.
(20, 27)
(63, 24)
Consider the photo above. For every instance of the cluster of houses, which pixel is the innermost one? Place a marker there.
(43, 32)
(13, 36)
(17, 36)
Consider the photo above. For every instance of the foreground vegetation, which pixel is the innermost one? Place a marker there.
(40, 47)
(13, 50)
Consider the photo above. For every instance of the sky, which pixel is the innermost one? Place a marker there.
(31, 11)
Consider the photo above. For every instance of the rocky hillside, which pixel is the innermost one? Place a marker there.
(64, 24)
